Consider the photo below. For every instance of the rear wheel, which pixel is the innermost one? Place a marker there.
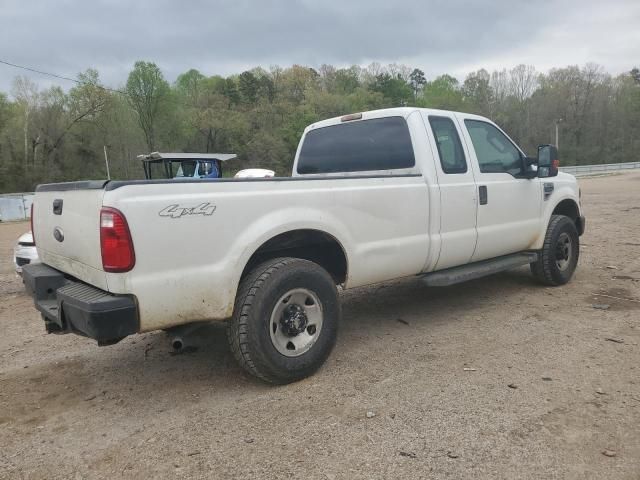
(559, 255)
(285, 320)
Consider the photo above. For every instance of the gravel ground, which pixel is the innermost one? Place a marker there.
(497, 378)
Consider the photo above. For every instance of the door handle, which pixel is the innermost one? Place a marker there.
(484, 196)
(57, 206)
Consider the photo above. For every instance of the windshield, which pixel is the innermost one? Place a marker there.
(208, 170)
(183, 168)
(194, 169)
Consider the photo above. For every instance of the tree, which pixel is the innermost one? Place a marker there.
(189, 86)
(296, 80)
(395, 89)
(399, 71)
(347, 80)
(27, 96)
(86, 102)
(231, 92)
(477, 93)
(417, 81)
(51, 115)
(248, 85)
(148, 94)
(266, 150)
(4, 110)
(443, 92)
(523, 81)
(327, 77)
(266, 88)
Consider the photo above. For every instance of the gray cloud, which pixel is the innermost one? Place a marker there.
(223, 37)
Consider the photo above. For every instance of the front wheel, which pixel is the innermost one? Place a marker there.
(285, 320)
(559, 255)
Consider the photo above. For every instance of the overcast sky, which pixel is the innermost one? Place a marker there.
(224, 37)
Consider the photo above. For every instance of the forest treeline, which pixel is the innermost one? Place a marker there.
(52, 134)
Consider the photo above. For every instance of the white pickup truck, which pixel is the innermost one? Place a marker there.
(374, 196)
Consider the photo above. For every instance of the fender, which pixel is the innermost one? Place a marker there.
(277, 223)
(561, 193)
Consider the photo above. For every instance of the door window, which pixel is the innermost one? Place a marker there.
(495, 152)
(449, 146)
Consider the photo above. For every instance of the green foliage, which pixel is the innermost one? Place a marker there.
(248, 85)
(477, 93)
(417, 80)
(52, 135)
(346, 80)
(443, 92)
(148, 93)
(393, 88)
(189, 86)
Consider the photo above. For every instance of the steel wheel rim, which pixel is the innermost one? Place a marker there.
(296, 322)
(564, 251)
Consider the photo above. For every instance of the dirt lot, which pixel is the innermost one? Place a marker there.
(498, 378)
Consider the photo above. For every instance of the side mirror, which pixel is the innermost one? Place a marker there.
(548, 162)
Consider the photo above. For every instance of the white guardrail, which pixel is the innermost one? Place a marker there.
(579, 170)
(15, 206)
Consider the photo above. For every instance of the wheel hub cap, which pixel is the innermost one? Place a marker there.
(294, 320)
(564, 250)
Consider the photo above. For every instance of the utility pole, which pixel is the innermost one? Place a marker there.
(106, 160)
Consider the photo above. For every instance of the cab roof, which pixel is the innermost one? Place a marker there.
(385, 112)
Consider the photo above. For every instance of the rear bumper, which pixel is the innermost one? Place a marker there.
(70, 306)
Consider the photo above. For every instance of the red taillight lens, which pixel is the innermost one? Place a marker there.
(33, 234)
(115, 242)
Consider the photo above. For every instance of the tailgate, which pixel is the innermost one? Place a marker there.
(67, 229)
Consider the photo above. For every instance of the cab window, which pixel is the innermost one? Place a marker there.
(495, 152)
(449, 146)
(367, 145)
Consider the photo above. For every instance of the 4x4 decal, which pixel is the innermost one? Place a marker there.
(177, 211)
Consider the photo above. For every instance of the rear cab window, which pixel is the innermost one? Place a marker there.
(359, 146)
(450, 150)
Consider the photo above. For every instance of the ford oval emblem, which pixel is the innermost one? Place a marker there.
(58, 235)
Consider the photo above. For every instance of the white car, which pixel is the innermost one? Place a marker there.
(373, 196)
(24, 252)
(255, 173)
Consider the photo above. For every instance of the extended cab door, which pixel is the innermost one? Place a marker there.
(457, 191)
(508, 218)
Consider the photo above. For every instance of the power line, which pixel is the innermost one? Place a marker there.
(40, 71)
(61, 77)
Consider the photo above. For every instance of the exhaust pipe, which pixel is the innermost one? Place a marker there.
(177, 343)
(180, 335)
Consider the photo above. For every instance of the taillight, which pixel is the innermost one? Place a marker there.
(33, 234)
(115, 242)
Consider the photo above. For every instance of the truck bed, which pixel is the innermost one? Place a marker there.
(191, 236)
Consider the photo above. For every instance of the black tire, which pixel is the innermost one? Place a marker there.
(554, 265)
(259, 294)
